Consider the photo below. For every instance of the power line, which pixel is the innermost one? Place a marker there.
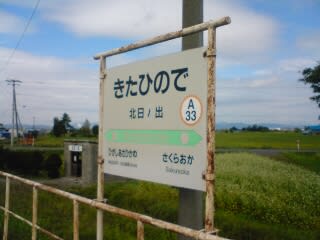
(22, 35)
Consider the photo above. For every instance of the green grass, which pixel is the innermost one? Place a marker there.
(55, 212)
(49, 141)
(275, 140)
(266, 140)
(256, 198)
(269, 192)
(238, 226)
(52, 141)
(307, 160)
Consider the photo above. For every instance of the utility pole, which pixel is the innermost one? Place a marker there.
(191, 201)
(15, 116)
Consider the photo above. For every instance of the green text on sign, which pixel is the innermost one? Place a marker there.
(155, 137)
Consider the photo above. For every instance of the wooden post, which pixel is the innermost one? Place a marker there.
(75, 220)
(6, 212)
(298, 145)
(140, 230)
(165, 37)
(100, 176)
(34, 212)
(211, 105)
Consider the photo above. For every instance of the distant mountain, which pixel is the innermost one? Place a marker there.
(30, 126)
(226, 125)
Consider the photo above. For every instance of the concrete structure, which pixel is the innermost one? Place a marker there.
(80, 159)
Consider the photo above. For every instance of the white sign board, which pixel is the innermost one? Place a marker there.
(75, 148)
(154, 120)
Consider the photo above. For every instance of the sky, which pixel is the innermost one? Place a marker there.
(260, 55)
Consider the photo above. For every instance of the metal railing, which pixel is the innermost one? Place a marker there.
(76, 199)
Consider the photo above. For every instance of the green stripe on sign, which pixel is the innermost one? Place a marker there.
(155, 137)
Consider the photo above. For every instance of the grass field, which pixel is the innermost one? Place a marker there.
(267, 140)
(307, 160)
(266, 192)
(256, 198)
(52, 141)
(238, 140)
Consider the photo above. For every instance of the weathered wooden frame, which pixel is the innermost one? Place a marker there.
(209, 176)
(76, 200)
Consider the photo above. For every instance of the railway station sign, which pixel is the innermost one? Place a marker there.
(154, 120)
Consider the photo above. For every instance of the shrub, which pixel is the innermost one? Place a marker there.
(36, 160)
(53, 164)
(2, 157)
(24, 162)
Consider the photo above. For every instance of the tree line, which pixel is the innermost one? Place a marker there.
(251, 128)
(62, 126)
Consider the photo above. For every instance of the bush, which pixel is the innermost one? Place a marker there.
(95, 130)
(3, 153)
(24, 162)
(30, 163)
(256, 128)
(53, 164)
(37, 162)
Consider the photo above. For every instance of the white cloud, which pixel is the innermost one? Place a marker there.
(310, 43)
(124, 19)
(295, 64)
(272, 104)
(249, 36)
(50, 86)
(262, 72)
(257, 83)
(269, 94)
(10, 23)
